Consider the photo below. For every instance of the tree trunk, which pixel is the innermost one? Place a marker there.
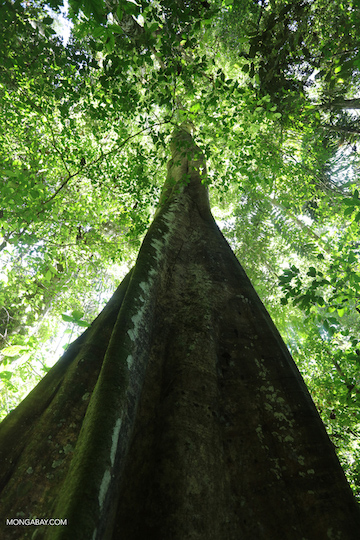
(179, 414)
(341, 104)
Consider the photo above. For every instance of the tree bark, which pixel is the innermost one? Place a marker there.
(341, 104)
(179, 414)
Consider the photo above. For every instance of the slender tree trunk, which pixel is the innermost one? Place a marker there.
(179, 414)
(342, 104)
(342, 129)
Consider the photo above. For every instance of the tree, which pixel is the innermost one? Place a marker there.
(179, 413)
(83, 140)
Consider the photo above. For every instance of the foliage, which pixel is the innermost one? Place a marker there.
(271, 88)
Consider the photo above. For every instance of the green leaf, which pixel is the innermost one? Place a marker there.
(311, 272)
(67, 318)
(8, 172)
(77, 314)
(6, 375)
(352, 257)
(119, 11)
(131, 8)
(196, 107)
(83, 323)
(13, 350)
(348, 211)
(99, 31)
(115, 28)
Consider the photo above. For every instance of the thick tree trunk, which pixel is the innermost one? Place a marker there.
(179, 414)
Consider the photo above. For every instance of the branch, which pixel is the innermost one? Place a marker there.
(104, 155)
(341, 104)
(342, 129)
(55, 146)
(8, 236)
